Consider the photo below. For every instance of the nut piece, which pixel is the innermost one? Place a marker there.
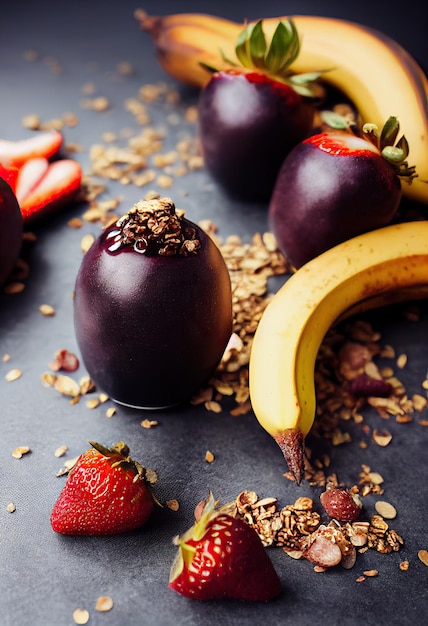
(385, 509)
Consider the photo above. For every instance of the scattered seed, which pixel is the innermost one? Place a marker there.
(103, 604)
(47, 310)
(209, 456)
(404, 566)
(173, 505)
(381, 437)
(402, 361)
(111, 411)
(103, 397)
(68, 465)
(86, 243)
(214, 407)
(60, 451)
(423, 556)
(75, 222)
(13, 375)
(146, 423)
(11, 508)
(92, 403)
(19, 452)
(81, 616)
(360, 579)
(375, 478)
(6, 358)
(385, 509)
(371, 573)
(14, 287)
(67, 386)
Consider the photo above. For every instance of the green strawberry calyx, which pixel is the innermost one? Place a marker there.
(393, 151)
(385, 140)
(275, 58)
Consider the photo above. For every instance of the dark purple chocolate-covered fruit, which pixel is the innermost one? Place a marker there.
(10, 230)
(331, 187)
(152, 307)
(247, 124)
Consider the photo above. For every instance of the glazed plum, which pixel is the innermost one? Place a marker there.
(10, 230)
(331, 187)
(247, 124)
(152, 307)
(252, 114)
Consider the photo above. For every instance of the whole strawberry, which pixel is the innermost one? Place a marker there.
(106, 493)
(222, 557)
(341, 505)
(252, 114)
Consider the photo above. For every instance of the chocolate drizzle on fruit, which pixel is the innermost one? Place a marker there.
(155, 228)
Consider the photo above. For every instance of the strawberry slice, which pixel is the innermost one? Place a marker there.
(10, 175)
(223, 557)
(16, 153)
(106, 493)
(58, 185)
(29, 175)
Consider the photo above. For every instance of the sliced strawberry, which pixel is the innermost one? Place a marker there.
(15, 153)
(29, 176)
(59, 185)
(106, 493)
(10, 175)
(223, 557)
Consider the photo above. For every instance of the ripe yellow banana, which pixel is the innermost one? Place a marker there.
(371, 69)
(383, 266)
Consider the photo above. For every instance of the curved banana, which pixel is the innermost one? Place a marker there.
(374, 71)
(385, 265)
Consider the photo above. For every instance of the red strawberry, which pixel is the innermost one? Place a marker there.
(106, 493)
(222, 557)
(251, 116)
(334, 186)
(16, 153)
(341, 505)
(40, 186)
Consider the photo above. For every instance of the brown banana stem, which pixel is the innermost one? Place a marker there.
(291, 442)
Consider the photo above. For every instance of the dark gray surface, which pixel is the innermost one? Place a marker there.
(45, 577)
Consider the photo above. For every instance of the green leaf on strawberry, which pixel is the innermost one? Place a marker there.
(275, 58)
(220, 556)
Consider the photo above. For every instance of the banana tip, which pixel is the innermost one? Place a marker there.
(291, 443)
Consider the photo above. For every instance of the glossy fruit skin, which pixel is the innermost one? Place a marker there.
(229, 561)
(151, 330)
(10, 230)
(98, 499)
(247, 124)
(322, 198)
(339, 504)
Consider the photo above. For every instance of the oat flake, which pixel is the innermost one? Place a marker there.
(423, 556)
(47, 310)
(173, 505)
(385, 509)
(81, 616)
(103, 604)
(19, 452)
(13, 375)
